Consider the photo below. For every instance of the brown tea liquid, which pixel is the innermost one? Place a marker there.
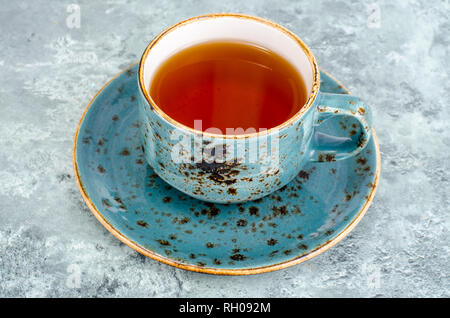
(228, 85)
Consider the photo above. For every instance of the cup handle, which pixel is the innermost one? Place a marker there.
(326, 148)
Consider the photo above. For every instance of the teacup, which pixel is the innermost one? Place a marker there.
(236, 168)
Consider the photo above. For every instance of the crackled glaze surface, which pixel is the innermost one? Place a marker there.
(291, 223)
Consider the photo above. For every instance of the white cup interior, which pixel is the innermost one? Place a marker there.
(233, 28)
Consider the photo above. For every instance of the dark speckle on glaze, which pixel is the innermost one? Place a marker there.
(330, 157)
(361, 161)
(101, 169)
(279, 211)
(125, 152)
(183, 220)
(241, 222)
(142, 223)
(211, 211)
(272, 242)
(238, 257)
(303, 246)
(303, 174)
(106, 203)
(163, 242)
(221, 173)
(253, 210)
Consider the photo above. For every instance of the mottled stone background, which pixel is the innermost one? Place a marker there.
(393, 54)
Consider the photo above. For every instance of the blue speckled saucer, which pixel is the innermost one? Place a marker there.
(296, 223)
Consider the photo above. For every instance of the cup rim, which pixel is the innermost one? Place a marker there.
(288, 122)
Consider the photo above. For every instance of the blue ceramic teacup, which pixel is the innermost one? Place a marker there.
(235, 168)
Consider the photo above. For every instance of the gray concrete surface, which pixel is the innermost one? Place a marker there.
(393, 54)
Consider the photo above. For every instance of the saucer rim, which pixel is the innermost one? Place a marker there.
(211, 270)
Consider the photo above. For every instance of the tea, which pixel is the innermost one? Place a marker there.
(228, 85)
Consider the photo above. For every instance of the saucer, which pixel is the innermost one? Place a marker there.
(301, 220)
